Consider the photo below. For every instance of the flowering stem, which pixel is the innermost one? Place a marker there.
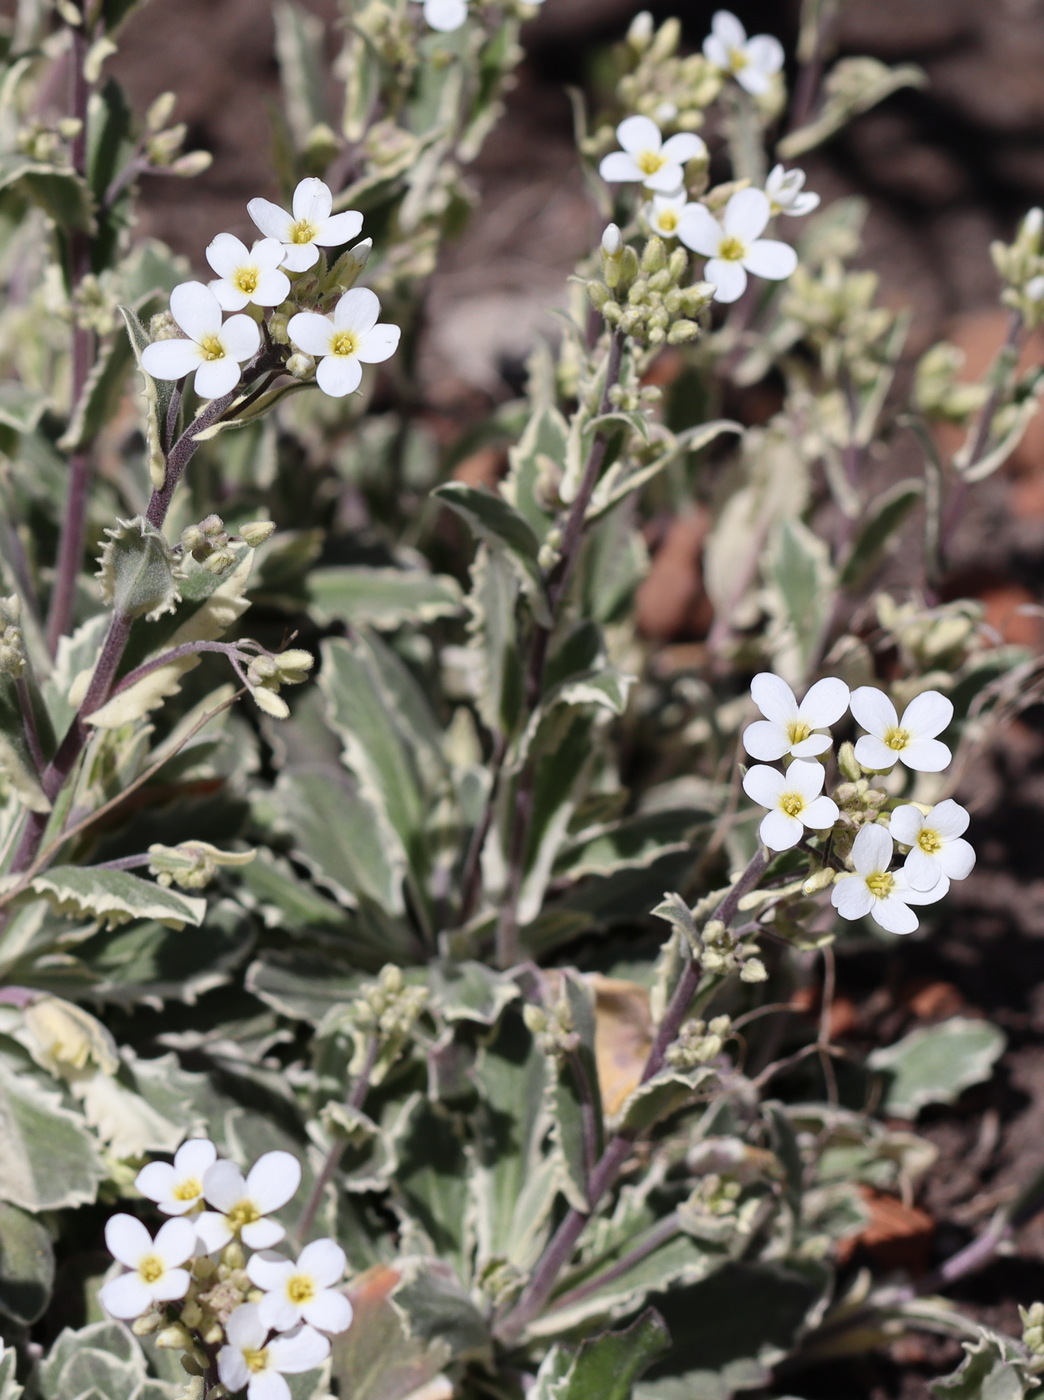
(646, 1243)
(228, 649)
(561, 1245)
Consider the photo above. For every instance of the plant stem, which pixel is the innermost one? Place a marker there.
(175, 654)
(562, 1243)
(356, 1099)
(32, 736)
(651, 1240)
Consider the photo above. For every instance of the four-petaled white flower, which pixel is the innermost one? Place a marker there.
(247, 274)
(242, 1206)
(911, 738)
(752, 62)
(647, 157)
(213, 350)
(937, 848)
(735, 246)
(445, 15)
(248, 1361)
(793, 799)
(875, 890)
(155, 1274)
(178, 1188)
(345, 341)
(302, 1291)
(665, 213)
(786, 192)
(309, 228)
(790, 728)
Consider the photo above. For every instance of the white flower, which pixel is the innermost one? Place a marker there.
(445, 15)
(247, 274)
(912, 738)
(937, 848)
(249, 1362)
(178, 1188)
(735, 246)
(666, 212)
(302, 1292)
(242, 1206)
(213, 350)
(793, 799)
(647, 157)
(310, 226)
(1034, 289)
(752, 62)
(155, 1275)
(789, 727)
(345, 341)
(875, 890)
(786, 194)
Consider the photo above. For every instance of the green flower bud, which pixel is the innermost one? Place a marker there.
(300, 365)
(753, 970)
(847, 763)
(257, 532)
(819, 880)
(682, 332)
(654, 255)
(191, 163)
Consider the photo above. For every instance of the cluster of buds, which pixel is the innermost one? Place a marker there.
(1033, 1333)
(191, 865)
(380, 1021)
(643, 296)
(1020, 266)
(47, 144)
(268, 671)
(162, 143)
(941, 638)
(209, 541)
(698, 1042)
(723, 952)
(674, 90)
(12, 646)
(553, 1028)
(940, 393)
(837, 312)
(710, 1211)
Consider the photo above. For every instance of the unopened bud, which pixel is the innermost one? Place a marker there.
(192, 163)
(753, 970)
(163, 326)
(639, 35)
(278, 327)
(612, 241)
(818, 880)
(218, 561)
(257, 531)
(847, 763)
(598, 294)
(654, 255)
(300, 365)
(176, 1337)
(148, 1323)
(160, 111)
(682, 332)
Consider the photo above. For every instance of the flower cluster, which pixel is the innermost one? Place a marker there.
(273, 275)
(262, 1317)
(931, 839)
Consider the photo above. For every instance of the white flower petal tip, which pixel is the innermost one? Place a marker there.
(752, 62)
(876, 890)
(938, 850)
(344, 342)
(178, 1188)
(793, 801)
(154, 1273)
(646, 158)
(445, 15)
(910, 740)
(309, 227)
(786, 192)
(214, 351)
(734, 246)
(790, 728)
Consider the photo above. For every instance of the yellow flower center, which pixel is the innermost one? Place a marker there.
(731, 248)
(300, 1289)
(245, 279)
(650, 161)
(212, 348)
(897, 739)
(151, 1268)
(738, 59)
(668, 221)
(303, 232)
(880, 884)
(792, 803)
(256, 1360)
(242, 1213)
(344, 343)
(797, 730)
(188, 1190)
(930, 842)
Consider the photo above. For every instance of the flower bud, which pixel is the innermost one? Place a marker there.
(639, 35)
(160, 111)
(819, 880)
(847, 763)
(612, 241)
(278, 324)
(753, 970)
(598, 294)
(192, 163)
(682, 332)
(256, 532)
(174, 1337)
(218, 561)
(654, 255)
(163, 326)
(300, 365)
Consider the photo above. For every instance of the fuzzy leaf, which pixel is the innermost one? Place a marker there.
(435, 1307)
(16, 760)
(802, 585)
(9, 1387)
(382, 598)
(116, 896)
(48, 1159)
(575, 1093)
(994, 1368)
(302, 69)
(885, 517)
(138, 571)
(432, 1182)
(604, 1367)
(935, 1064)
(157, 393)
(103, 1358)
(376, 1359)
(26, 1266)
(20, 407)
(60, 193)
(664, 1094)
(501, 527)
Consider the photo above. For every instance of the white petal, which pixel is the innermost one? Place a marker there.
(329, 1311)
(357, 311)
(278, 1313)
(378, 344)
(664, 203)
(311, 332)
(637, 134)
(906, 823)
(170, 359)
(225, 253)
(957, 858)
(213, 1231)
(872, 754)
(909, 895)
(268, 1385)
(728, 30)
(776, 184)
(312, 201)
(215, 378)
(337, 375)
(223, 1185)
(765, 740)
(871, 849)
(269, 1271)
(746, 215)
(851, 897)
(173, 1284)
(445, 15)
(825, 703)
(341, 228)
(765, 53)
(156, 1181)
(803, 204)
(730, 281)
(895, 916)
(922, 870)
(714, 51)
(324, 1261)
(300, 1351)
(232, 1368)
(770, 259)
(127, 1239)
(774, 698)
(949, 819)
(230, 298)
(267, 253)
(667, 180)
(299, 257)
(926, 756)
(262, 1234)
(241, 338)
(820, 814)
(805, 776)
(699, 230)
(175, 1242)
(684, 147)
(270, 219)
(779, 832)
(244, 1328)
(873, 710)
(815, 744)
(753, 80)
(763, 785)
(273, 286)
(619, 166)
(196, 309)
(927, 714)
(125, 1297)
